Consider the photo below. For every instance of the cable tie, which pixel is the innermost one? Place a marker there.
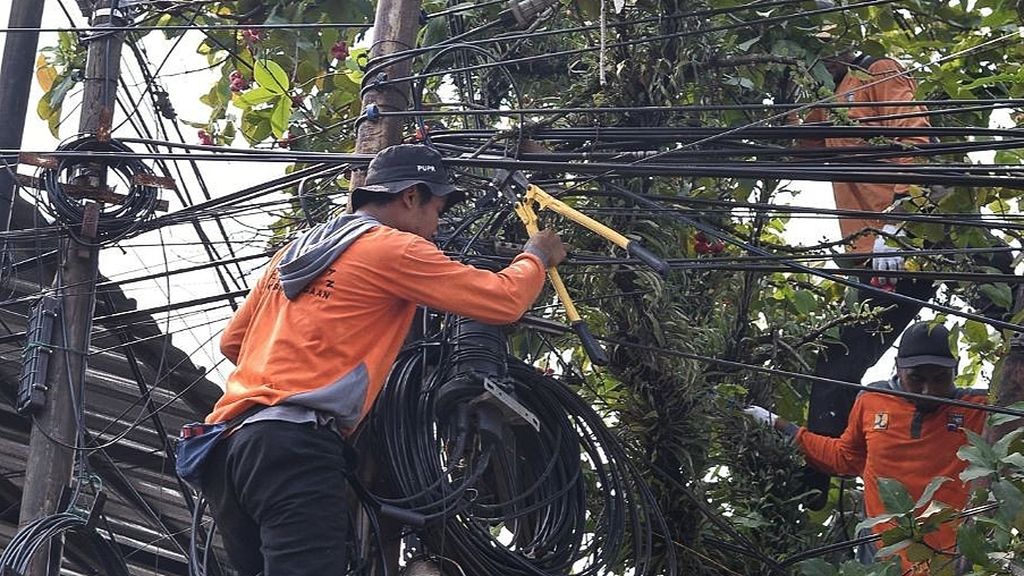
(112, 13)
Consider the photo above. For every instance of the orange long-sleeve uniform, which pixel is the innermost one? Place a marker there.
(861, 86)
(332, 347)
(887, 437)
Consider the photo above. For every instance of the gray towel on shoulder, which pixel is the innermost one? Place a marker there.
(315, 249)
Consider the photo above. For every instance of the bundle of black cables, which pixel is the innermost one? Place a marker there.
(80, 156)
(500, 497)
(30, 538)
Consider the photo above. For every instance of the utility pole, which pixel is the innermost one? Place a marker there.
(15, 86)
(50, 465)
(394, 29)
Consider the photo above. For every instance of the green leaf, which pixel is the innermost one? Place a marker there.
(60, 90)
(1002, 447)
(804, 301)
(816, 567)
(255, 125)
(1000, 419)
(1000, 294)
(973, 472)
(269, 74)
(978, 451)
(254, 97)
(918, 552)
(1016, 460)
(975, 331)
(870, 523)
(894, 496)
(280, 116)
(929, 491)
(892, 549)
(973, 544)
(744, 46)
(933, 516)
(43, 109)
(1011, 501)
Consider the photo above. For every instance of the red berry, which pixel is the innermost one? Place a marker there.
(205, 139)
(251, 35)
(340, 50)
(701, 247)
(237, 81)
(717, 247)
(297, 99)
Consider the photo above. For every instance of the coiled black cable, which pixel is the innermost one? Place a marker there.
(114, 220)
(503, 498)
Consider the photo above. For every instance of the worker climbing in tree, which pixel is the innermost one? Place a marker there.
(909, 440)
(312, 346)
(860, 78)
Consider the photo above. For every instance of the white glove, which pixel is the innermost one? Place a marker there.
(883, 264)
(761, 415)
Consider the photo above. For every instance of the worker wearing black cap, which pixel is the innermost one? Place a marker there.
(313, 345)
(909, 440)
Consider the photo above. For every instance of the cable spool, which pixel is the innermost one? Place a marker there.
(115, 220)
(562, 499)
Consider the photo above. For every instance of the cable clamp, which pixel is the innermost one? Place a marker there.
(507, 403)
(112, 13)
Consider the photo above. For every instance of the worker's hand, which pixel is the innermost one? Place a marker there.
(882, 263)
(761, 415)
(547, 246)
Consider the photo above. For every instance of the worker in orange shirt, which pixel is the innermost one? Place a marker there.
(912, 441)
(313, 345)
(860, 78)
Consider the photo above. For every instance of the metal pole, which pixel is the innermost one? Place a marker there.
(51, 460)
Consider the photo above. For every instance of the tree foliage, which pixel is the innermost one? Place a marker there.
(678, 415)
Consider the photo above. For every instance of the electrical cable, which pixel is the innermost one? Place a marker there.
(540, 495)
(135, 207)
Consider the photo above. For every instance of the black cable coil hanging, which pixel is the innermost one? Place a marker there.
(115, 220)
(498, 496)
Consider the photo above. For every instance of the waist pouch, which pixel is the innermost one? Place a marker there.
(197, 440)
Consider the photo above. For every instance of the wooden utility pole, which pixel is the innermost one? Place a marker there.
(394, 29)
(15, 87)
(50, 464)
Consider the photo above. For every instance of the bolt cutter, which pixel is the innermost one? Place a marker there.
(523, 196)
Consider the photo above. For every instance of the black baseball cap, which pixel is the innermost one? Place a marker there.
(924, 343)
(398, 167)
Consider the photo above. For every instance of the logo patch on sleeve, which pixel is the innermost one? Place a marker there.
(954, 422)
(881, 420)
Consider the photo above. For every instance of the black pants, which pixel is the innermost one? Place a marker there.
(277, 491)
